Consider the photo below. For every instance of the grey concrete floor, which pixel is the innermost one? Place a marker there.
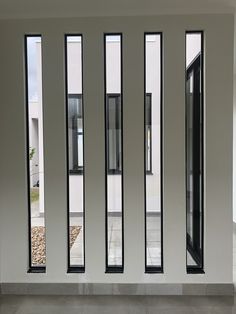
(116, 305)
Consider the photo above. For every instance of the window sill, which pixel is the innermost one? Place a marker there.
(195, 270)
(114, 270)
(76, 269)
(154, 270)
(37, 270)
(76, 172)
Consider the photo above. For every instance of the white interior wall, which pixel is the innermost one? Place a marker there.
(218, 154)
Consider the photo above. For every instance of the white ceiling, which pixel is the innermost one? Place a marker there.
(73, 8)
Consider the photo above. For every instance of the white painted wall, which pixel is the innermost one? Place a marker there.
(218, 158)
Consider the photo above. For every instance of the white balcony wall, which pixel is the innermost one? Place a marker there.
(218, 153)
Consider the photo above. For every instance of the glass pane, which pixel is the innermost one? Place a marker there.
(114, 169)
(194, 151)
(37, 257)
(75, 152)
(153, 152)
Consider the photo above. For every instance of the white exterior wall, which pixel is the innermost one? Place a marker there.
(40, 129)
(152, 86)
(192, 49)
(113, 87)
(33, 127)
(35, 111)
(218, 153)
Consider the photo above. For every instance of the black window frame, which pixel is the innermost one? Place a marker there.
(110, 268)
(31, 268)
(198, 144)
(117, 97)
(148, 95)
(73, 268)
(79, 170)
(154, 269)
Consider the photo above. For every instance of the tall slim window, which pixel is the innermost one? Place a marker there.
(114, 152)
(75, 152)
(34, 153)
(194, 150)
(153, 152)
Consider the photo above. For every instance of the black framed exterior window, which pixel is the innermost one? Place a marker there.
(114, 133)
(114, 153)
(75, 152)
(75, 121)
(148, 132)
(194, 151)
(113, 114)
(153, 152)
(34, 154)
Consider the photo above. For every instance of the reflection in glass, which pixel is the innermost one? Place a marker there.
(34, 110)
(75, 153)
(153, 142)
(194, 151)
(114, 154)
(114, 133)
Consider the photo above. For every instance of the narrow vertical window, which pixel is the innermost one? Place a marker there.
(34, 153)
(114, 152)
(75, 152)
(194, 150)
(153, 152)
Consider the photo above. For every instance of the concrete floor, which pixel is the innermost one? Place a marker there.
(115, 305)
